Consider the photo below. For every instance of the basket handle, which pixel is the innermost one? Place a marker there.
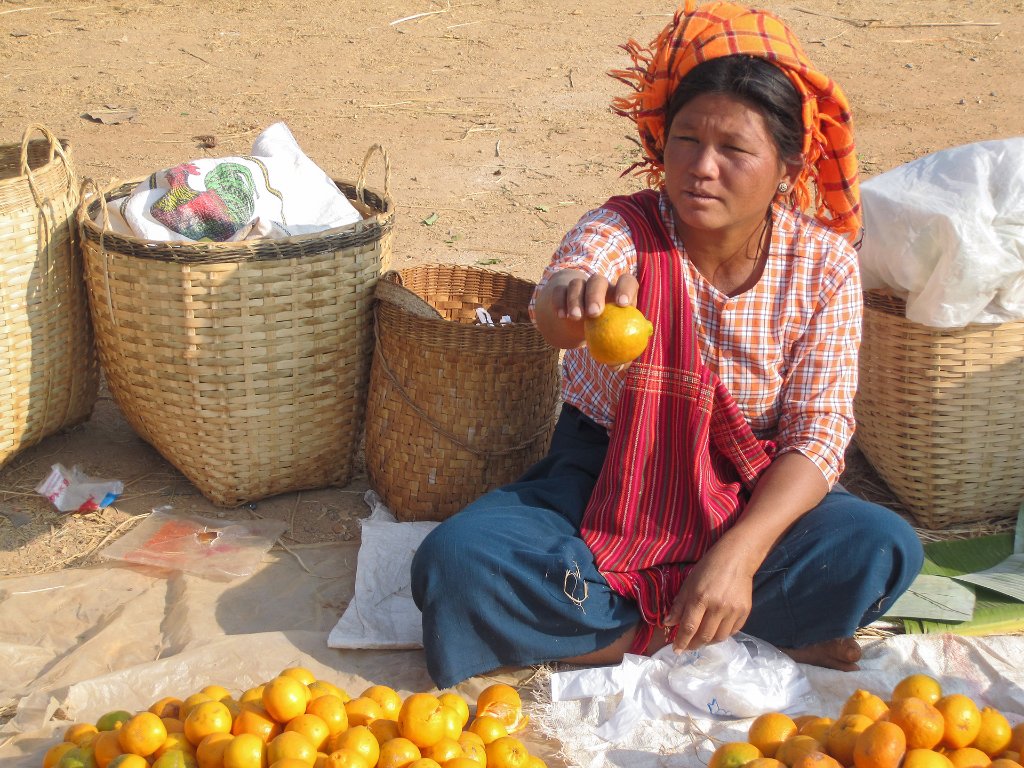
(56, 150)
(90, 185)
(361, 183)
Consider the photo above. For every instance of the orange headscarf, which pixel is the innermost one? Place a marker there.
(828, 182)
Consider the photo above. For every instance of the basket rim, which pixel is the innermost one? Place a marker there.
(367, 230)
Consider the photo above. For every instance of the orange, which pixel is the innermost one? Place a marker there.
(503, 702)
(462, 762)
(488, 728)
(816, 728)
(301, 674)
(142, 734)
(842, 736)
(388, 699)
(292, 762)
(175, 742)
(881, 745)
(290, 744)
(54, 753)
(105, 748)
(168, 706)
(507, 752)
(452, 722)
(962, 718)
(865, 703)
(80, 733)
(795, 747)
(397, 753)
(173, 725)
(210, 751)
(765, 762)
(384, 730)
(79, 757)
(113, 720)
(454, 701)
(918, 685)
(285, 697)
(245, 751)
(424, 762)
(312, 727)
(192, 701)
(216, 692)
(360, 740)
(920, 721)
(344, 758)
(323, 687)
(1017, 739)
(252, 695)
(769, 730)
(815, 759)
(925, 758)
(1005, 762)
(473, 747)
(331, 710)
(994, 734)
(254, 719)
(421, 720)
(128, 760)
(968, 757)
(362, 710)
(205, 718)
(732, 754)
(618, 335)
(175, 758)
(444, 750)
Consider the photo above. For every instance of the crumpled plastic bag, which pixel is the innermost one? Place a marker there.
(71, 490)
(947, 231)
(737, 678)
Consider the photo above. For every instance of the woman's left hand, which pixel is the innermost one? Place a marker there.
(714, 601)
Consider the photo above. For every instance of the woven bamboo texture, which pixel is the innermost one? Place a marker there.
(940, 414)
(455, 408)
(245, 365)
(48, 373)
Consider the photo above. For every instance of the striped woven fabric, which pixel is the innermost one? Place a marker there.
(828, 184)
(681, 458)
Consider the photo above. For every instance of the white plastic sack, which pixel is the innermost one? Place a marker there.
(947, 230)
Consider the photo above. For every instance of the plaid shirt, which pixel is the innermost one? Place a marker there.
(786, 349)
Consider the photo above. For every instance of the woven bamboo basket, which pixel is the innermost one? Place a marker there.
(455, 408)
(940, 414)
(244, 364)
(48, 373)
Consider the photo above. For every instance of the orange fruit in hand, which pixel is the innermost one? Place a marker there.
(421, 720)
(285, 697)
(865, 703)
(769, 730)
(994, 735)
(881, 745)
(842, 736)
(968, 757)
(206, 718)
(618, 335)
(925, 758)
(732, 754)
(397, 753)
(388, 699)
(962, 718)
(920, 721)
(920, 686)
(507, 752)
(143, 734)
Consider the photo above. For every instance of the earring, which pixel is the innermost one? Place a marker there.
(783, 187)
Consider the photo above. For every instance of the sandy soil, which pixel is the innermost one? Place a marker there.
(495, 118)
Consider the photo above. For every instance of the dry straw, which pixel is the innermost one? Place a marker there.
(244, 364)
(48, 371)
(940, 414)
(455, 408)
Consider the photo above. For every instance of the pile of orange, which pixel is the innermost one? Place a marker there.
(296, 720)
(916, 727)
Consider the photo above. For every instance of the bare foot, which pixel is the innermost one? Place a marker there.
(843, 653)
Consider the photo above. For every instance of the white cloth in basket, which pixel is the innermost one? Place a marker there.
(275, 192)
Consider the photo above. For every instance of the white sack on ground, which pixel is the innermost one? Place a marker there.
(947, 230)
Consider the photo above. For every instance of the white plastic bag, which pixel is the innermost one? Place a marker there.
(74, 491)
(947, 230)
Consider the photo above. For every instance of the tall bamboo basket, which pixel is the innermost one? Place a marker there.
(455, 408)
(244, 364)
(940, 414)
(48, 373)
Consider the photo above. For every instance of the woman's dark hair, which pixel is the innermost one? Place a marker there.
(758, 81)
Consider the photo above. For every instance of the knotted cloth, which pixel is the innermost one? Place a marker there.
(828, 184)
(681, 459)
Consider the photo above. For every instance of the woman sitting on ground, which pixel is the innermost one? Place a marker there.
(694, 493)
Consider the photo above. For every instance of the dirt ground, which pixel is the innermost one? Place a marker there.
(494, 115)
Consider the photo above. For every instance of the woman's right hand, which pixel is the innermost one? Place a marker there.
(572, 295)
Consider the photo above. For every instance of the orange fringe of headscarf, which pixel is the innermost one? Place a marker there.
(828, 184)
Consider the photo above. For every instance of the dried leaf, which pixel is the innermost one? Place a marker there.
(112, 115)
(431, 219)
